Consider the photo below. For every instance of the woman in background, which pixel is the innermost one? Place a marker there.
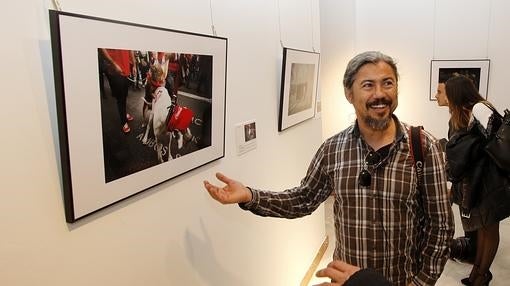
(463, 248)
(476, 181)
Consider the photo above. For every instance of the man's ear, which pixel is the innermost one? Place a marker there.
(348, 94)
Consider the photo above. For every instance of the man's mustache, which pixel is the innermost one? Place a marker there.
(380, 101)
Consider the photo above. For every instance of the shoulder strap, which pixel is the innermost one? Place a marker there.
(416, 144)
(489, 105)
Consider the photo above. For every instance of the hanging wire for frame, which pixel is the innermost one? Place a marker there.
(212, 22)
(311, 21)
(434, 30)
(279, 23)
(488, 30)
(57, 5)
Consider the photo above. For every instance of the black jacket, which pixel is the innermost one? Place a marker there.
(465, 164)
(476, 180)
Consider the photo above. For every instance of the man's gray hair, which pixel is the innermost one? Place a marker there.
(370, 57)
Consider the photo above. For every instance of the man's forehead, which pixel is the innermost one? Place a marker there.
(380, 70)
(375, 77)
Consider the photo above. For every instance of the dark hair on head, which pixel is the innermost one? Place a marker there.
(462, 96)
(443, 77)
(370, 57)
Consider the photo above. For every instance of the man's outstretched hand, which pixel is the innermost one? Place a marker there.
(233, 192)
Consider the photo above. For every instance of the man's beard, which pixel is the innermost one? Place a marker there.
(379, 124)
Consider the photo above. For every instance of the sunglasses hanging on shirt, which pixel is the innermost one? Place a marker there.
(365, 177)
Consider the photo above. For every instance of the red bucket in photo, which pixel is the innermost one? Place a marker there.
(180, 119)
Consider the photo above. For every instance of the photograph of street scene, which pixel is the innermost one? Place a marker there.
(155, 107)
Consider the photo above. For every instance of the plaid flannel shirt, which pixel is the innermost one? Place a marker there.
(389, 226)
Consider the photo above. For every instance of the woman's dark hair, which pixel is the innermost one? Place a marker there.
(462, 96)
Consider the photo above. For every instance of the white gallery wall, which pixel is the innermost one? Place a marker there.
(414, 33)
(172, 234)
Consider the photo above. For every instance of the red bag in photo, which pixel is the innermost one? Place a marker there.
(180, 119)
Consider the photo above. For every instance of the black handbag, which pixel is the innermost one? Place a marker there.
(498, 146)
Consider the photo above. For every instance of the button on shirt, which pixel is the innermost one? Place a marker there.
(389, 226)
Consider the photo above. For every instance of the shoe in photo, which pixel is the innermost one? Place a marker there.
(126, 128)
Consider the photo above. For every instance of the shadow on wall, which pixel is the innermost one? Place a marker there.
(47, 74)
(201, 254)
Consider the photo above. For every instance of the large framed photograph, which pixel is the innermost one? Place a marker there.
(442, 70)
(136, 105)
(300, 72)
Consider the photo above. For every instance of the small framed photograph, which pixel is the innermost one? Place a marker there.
(300, 71)
(250, 132)
(136, 106)
(442, 70)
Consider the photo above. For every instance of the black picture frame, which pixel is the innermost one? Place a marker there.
(476, 69)
(103, 164)
(298, 96)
